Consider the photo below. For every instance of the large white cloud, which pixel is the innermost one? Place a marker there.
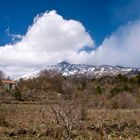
(122, 48)
(50, 39)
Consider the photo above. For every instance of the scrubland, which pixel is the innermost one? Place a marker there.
(53, 107)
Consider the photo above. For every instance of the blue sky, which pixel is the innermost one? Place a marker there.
(100, 17)
(35, 33)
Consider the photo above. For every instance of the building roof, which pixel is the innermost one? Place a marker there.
(8, 82)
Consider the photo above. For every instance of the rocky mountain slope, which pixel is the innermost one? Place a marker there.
(67, 69)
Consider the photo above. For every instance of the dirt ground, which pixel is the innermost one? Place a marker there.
(36, 122)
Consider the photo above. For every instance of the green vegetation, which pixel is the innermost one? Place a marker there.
(17, 95)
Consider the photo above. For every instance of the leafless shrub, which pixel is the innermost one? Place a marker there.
(124, 101)
(68, 89)
(68, 115)
(2, 75)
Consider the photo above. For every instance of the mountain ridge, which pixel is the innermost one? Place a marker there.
(68, 69)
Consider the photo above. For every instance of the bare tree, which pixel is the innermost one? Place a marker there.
(2, 75)
(2, 95)
(69, 116)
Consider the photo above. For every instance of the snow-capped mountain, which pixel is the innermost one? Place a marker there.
(67, 69)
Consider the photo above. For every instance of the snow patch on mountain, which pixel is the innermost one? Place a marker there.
(67, 69)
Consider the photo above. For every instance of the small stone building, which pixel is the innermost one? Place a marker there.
(9, 84)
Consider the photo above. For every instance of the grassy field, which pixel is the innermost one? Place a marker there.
(36, 122)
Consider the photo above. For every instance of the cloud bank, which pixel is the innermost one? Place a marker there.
(51, 39)
(121, 48)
